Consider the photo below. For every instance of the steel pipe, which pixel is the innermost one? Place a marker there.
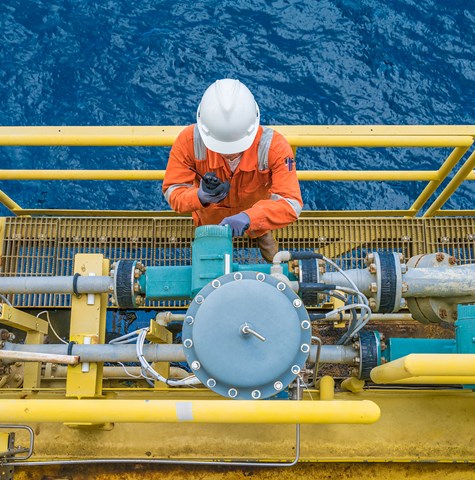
(440, 282)
(341, 354)
(107, 353)
(196, 411)
(161, 352)
(18, 285)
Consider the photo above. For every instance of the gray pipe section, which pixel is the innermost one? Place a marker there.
(344, 354)
(99, 284)
(441, 282)
(421, 282)
(107, 353)
(361, 277)
(162, 352)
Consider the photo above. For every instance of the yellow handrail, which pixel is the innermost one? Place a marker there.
(458, 137)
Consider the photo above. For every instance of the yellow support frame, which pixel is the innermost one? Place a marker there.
(35, 329)
(88, 324)
(460, 137)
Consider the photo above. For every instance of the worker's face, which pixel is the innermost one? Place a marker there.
(231, 156)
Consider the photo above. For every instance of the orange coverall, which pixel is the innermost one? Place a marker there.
(271, 198)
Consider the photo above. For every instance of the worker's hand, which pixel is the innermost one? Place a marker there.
(212, 193)
(239, 223)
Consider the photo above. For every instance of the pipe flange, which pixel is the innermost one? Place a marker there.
(309, 273)
(126, 275)
(388, 281)
(370, 353)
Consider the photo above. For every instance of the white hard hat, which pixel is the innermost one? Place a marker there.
(228, 117)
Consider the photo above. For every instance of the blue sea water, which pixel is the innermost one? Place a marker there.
(126, 62)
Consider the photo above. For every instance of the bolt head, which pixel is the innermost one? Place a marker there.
(256, 394)
(372, 268)
(278, 386)
(297, 303)
(440, 257)
(195, 365)
(211, 383)
(373, 287)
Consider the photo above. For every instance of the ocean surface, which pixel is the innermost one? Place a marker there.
(126, 62)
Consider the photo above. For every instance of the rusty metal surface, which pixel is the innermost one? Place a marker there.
(320, 471)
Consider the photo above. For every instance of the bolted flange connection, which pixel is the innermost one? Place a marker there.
(127, 290)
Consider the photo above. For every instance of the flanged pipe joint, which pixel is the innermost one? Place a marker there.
(127, 289)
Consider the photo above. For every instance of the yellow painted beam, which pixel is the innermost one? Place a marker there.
(13, 317)
(454, 213)
(425, 365)
(153, 213)
(88, 325)
(195, 411)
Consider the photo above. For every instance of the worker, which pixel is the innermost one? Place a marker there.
(227, 169)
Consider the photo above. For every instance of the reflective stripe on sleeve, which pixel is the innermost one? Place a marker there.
(173, 187)
(293, 203)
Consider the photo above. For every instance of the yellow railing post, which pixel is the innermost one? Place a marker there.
(444, 170)
(9, 203)
(459, 177)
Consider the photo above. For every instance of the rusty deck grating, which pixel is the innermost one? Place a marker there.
(46, 246)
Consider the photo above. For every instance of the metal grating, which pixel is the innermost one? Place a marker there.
(46, 246)
(454, 236)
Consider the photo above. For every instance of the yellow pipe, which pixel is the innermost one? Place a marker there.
(298, 136)
(366, 175)
(303, 175)
(438, 380)
(327, 388)
(459, 177)
(387, 141)
(196, 411)
(353, 384)
(444, 170)
(425, 365)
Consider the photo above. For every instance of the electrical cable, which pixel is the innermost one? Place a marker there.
(51, 326)
(147, 368)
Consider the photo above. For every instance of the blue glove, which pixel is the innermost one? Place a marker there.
(209, 195)
(239, 223)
